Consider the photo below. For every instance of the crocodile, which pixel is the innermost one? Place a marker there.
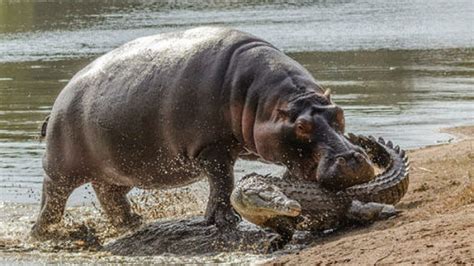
(285, 204)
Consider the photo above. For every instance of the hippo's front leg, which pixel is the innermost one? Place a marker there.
(218, 165)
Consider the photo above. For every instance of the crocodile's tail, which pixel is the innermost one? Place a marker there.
(43, 127)
(390, 186)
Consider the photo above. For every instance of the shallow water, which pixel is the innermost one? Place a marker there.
(400, 69)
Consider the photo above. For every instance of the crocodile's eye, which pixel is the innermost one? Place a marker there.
(266, 195)
(269, 189)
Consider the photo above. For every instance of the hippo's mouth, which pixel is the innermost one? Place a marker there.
(346, 169)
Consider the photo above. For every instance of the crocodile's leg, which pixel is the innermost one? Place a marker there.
(370, 212)
(284, 227)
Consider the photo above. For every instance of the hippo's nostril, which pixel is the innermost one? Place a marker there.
(341, 161)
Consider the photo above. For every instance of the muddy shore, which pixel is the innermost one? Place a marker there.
(437, 223)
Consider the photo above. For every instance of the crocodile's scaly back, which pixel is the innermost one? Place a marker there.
(391, 185)
(321, 209)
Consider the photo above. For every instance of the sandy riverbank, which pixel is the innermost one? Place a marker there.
(437, 223)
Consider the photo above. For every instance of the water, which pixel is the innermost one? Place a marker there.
(400, 69)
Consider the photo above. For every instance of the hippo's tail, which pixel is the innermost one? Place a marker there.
(43, 127)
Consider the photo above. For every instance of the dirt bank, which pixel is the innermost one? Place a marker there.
(437, 223)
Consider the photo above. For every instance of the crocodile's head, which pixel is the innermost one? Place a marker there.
(258, 201)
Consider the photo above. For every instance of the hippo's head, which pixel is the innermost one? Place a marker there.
(306, 133)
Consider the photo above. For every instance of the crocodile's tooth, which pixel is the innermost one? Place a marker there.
(364, 138)
(390, 144)
(372, 138)
(397, 149)
(381, 140)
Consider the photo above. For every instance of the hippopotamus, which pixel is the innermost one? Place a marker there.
(163, 111)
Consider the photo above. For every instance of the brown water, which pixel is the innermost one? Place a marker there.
(401, 69)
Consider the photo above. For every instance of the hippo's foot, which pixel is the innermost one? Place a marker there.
(40, 233)
(132, 222)
(223, 218)
(74, 237)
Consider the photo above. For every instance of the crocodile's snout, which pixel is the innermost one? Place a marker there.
(293, 208)
(258, 201)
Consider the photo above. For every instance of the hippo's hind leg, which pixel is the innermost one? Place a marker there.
(53, 202)
(218, 165)
(113, 200)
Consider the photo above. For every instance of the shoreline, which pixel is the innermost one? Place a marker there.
(435, 225)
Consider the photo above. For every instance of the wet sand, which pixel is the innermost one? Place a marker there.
(437, 223)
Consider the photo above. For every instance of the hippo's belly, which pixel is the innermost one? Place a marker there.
(161, 175)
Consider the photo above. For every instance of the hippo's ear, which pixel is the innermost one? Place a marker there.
(304, 129)
(327, 94)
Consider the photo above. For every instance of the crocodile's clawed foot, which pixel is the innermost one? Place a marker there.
(371, 211)
(276, 243)
(388, 212)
